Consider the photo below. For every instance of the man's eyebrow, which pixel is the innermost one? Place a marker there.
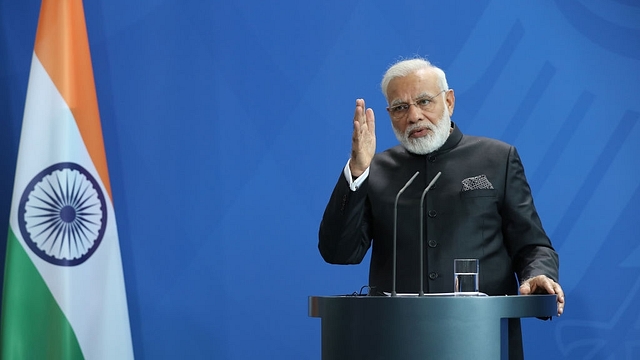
(397, 102)
(420, 96)
(423, 95)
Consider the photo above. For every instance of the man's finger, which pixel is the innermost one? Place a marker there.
(525, 289)
(550, 287)
(561, 301)
(359, 115)
(370, 117)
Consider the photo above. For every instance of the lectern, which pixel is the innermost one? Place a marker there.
(426, 327)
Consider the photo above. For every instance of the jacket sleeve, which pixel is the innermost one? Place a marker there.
(344, 236)
(524, 236)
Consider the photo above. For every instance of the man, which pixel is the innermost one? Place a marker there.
(481, 206)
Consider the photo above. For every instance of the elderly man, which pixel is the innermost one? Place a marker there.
(481, 206)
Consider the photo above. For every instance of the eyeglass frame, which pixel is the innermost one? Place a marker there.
(429, 99)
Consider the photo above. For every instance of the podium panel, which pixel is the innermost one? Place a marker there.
(426, 327)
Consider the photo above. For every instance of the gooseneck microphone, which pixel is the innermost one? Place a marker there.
(395, 230)
(424, 193)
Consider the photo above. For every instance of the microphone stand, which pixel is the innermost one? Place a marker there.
(395, 229)
(424, 193)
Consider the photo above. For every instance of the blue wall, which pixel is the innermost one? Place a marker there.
(227, 123)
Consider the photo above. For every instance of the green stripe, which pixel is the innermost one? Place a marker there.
(33, 326)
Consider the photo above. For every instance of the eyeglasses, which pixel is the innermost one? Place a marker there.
(401, 110)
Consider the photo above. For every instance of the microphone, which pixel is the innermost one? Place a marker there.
(424, 193)
(395, 229)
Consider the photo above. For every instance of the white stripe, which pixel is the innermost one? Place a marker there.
(92, 294)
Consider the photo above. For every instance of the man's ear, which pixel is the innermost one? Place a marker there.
(450, 101)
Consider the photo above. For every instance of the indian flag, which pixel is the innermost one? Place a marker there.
(64, 295)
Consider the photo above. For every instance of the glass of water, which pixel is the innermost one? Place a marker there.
(465, 276)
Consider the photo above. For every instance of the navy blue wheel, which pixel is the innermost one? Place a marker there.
(63, 214)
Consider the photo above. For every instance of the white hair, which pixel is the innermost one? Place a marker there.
(405, 67)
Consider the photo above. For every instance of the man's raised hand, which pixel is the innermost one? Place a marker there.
(363, 145)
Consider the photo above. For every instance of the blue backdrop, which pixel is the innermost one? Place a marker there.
(227, 123)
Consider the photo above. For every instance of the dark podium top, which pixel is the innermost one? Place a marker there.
(426, 327)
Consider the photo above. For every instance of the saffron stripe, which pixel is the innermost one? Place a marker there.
(62, 46)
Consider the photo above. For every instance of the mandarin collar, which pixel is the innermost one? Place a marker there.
(454, 138)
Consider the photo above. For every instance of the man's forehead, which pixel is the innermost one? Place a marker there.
(424, 79)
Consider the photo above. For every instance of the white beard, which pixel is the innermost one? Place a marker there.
(430, 142)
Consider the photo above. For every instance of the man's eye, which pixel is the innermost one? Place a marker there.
(423, 102)
(400, 108)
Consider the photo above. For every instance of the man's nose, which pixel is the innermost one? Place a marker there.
(414, 113)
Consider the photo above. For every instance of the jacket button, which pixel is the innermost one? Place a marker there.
(432, 213)
(432, 158)
(433, 243)
(433, 275)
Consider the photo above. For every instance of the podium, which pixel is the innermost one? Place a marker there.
(426, 327)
